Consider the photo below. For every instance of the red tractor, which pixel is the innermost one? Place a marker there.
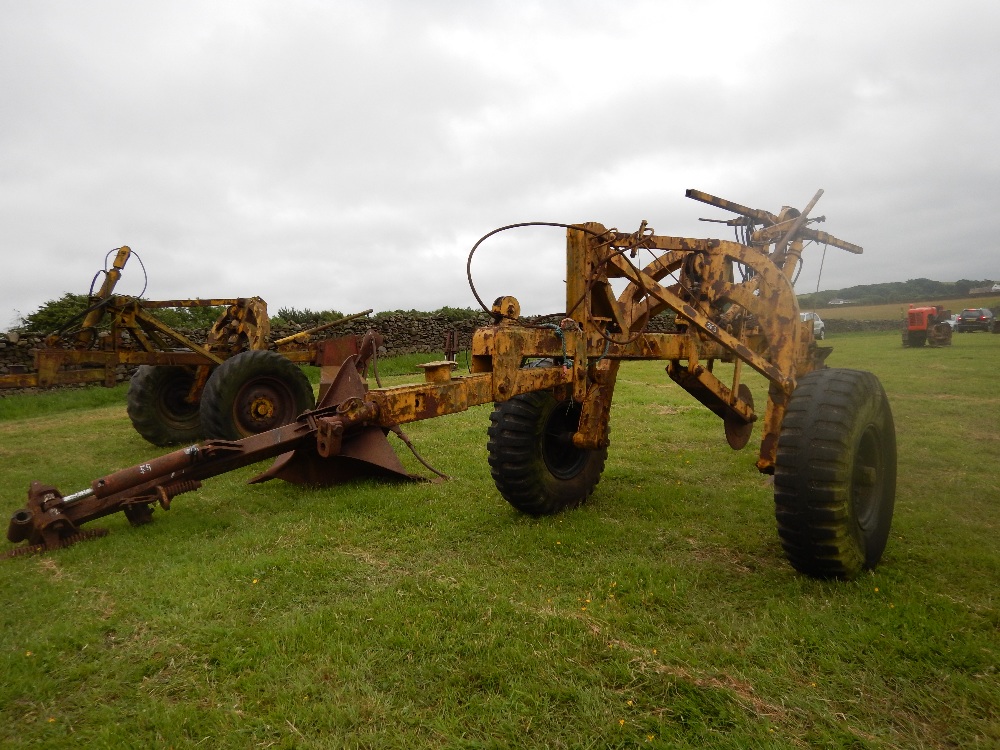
(927, 325)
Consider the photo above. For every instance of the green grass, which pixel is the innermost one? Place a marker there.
(660, 614)
(13, 407)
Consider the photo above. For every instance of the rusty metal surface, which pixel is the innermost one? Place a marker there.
(337, 441)
(36, 549)
(451, 344)
(733, 302)
(88, 328)
(244, 326)
(752, 217)
(304, 336)
(346, 442)
(119, 329)
(412, 403)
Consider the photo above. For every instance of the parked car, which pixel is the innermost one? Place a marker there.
(819, 327)
(974, 319)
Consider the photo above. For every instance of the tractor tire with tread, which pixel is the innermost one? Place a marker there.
(252, 392)
(533, 462)
(157, 406)
(835, 474)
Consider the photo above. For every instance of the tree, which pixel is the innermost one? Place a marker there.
(56, 313)
(69, 310)
(306, 316)
(188, 318)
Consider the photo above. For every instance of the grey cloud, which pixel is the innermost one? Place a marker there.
(347, 155)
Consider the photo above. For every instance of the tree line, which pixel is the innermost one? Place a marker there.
(896, 291)
(69, 309)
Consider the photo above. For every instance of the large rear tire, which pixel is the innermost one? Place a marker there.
(158, 406)
(533, 461)
(253, 392)
(835, 474)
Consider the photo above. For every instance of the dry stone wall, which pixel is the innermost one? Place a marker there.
(17, 351)
(834, 325)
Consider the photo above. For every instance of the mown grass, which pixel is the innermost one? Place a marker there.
(660, 614)
(14, 407)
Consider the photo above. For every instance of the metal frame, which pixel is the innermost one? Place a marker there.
(734, 302)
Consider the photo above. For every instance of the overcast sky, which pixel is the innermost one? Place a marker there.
(347, 155)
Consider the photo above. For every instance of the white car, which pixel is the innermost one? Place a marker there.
(819, 327)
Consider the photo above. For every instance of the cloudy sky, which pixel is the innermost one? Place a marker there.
(347, 154)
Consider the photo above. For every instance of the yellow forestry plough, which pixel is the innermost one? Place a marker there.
(827, 434)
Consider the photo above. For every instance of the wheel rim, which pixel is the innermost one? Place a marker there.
(258, 406)
(867, 480)
(563, 459)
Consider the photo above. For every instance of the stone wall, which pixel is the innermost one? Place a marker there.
(17, 356)
(405, 334)
(17, 351)
(833, 325)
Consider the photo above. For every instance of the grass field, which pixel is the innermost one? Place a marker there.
(660, 614)
(897, 311)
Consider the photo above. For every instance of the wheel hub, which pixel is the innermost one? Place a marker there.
(261, 408)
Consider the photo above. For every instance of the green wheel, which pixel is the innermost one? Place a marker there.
(158, 405)
(835, 474)
(253, 392)
(533, 461)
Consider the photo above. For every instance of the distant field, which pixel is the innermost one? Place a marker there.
(895, 310)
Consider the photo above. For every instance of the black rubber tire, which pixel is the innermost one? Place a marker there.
(917, 338)
(533, 463)
(822, 334)
(157, 406)
(253, 392)
(835, 474)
